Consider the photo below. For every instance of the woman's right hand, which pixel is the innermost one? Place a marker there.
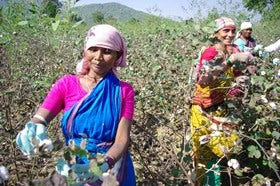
(33, 138)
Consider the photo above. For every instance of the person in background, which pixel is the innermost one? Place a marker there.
(96, 104)
(244, 39)
(214, 135)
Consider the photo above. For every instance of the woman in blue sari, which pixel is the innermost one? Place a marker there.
(97, 105)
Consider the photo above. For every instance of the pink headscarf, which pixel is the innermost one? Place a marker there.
(224, 22)
(105, 36)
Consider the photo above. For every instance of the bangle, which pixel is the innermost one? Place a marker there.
(229, 63)
(41, 118)
(110, 161)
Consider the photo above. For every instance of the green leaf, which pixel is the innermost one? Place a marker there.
(257, 80)
(67, 155)
(77, 24)
(187, 148)
(156, 68)
(195, 42)
(238, 172)
(179, 154)
(252, 102)
(210, 28)
(175, 172)
(187, 159)
(21, 23)
(267, 131)
(258, 179)
(81, 152)
(269, 86)
(276, 135)
(272, 165)
(55, 25)
(95, 170)
(253, 152)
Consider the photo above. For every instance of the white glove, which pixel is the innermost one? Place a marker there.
(32, 138)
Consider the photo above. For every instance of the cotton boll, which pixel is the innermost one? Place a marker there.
(263, 73)
(273, 105)
(4, 174)
(257, 48)
(233, 163)
(204, 139)
(215, 133)
(276, 61)
(48, 146)
(264, 100)
(201, 165)
(214, 127)
(188, 137)
(109, 179)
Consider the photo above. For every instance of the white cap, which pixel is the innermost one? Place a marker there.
(246, 25)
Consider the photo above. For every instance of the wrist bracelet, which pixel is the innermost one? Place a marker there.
(111, 162)
(229, 63)
(37, 116)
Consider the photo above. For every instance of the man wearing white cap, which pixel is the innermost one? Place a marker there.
(244, 40)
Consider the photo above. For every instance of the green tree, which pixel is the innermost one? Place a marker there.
(269, 9)
(98, 17)
(51, 7)
(74, 17)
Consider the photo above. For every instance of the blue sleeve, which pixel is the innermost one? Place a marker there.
(240, 44)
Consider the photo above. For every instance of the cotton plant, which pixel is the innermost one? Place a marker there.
(80, 167)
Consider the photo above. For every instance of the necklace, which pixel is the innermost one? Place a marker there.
(90, 76)
(88, 83)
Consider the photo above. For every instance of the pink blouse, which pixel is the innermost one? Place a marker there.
(67, 91)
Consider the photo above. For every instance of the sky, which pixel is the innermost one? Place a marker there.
(173, 9)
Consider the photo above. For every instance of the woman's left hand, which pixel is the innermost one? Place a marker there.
(121, 141)
(240, 57)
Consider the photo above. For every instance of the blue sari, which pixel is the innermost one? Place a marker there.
(96, 118)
